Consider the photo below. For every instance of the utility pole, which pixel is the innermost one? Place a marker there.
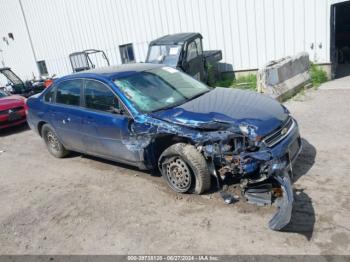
(29, 36)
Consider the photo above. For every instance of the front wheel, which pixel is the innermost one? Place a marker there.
(184, 169)
(52, 142)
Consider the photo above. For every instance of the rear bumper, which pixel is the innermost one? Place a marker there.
(32, 121)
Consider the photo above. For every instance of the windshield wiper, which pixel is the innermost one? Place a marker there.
(169, 106)
(180, 103)
(198, 95)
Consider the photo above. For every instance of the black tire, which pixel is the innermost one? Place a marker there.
(52, 142)
(176, 161)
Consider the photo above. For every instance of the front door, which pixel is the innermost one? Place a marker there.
(194, 64)
(106, 125)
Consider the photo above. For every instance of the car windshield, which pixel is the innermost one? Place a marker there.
(160, 88)
(164, 54)
(3, 94)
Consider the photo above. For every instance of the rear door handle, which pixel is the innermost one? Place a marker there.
(67, 120)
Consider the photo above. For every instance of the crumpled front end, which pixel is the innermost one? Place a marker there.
(262, 165)
(263, 169)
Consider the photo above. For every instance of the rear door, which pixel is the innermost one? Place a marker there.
(66, 114)
(106, 124)
(194, 63)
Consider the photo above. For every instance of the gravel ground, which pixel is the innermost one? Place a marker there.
(85, 205)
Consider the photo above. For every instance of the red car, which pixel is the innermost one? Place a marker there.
(13, 110)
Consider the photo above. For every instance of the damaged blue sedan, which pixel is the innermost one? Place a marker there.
(156, 117)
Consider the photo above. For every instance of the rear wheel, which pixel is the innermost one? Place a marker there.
(52, 142)
(185, 169)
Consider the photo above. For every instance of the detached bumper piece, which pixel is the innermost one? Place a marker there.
(284, 204)
(268, 194)
(260, 195)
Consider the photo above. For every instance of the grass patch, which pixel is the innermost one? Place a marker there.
(300, 96)
(318, 75)
(242, 82)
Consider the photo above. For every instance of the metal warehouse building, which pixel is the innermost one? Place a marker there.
(35, 33)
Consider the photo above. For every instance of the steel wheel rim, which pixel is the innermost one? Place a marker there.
(179, 174)
(52, 141)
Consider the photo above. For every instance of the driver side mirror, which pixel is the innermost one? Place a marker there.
(115, 110)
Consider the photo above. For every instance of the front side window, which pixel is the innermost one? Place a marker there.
(191, 51)
(68, 92)
(160, 88)
(99, 97)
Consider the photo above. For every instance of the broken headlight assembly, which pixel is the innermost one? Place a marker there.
(250, 132)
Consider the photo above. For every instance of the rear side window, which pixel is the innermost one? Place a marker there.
(49, 96)
(99, 97)
(68, 92)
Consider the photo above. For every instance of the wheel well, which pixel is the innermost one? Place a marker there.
(158, 146)
(40, 126)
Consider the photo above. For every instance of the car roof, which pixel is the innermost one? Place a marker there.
(114, 72)
(175, 38)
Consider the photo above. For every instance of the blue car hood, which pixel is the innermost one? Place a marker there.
(227, 107)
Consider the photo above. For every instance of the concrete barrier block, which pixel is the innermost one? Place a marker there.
(283, 78)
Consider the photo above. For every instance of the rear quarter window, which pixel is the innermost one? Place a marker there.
(50, 95)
